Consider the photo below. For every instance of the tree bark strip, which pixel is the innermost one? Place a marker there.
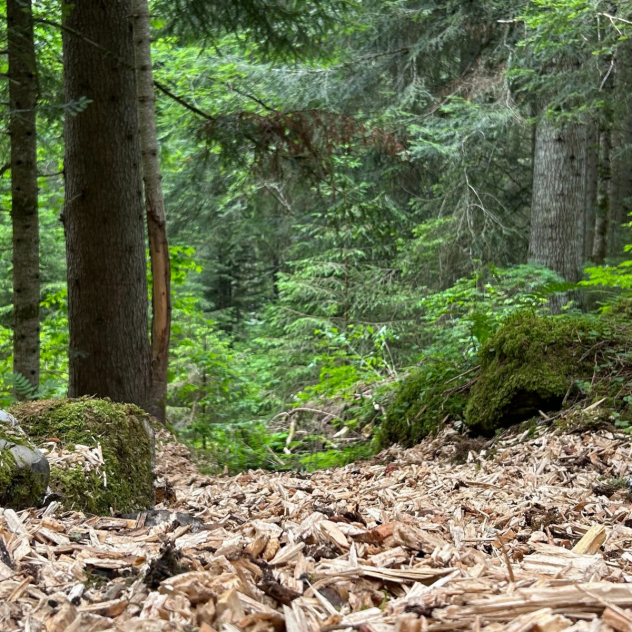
(558, 206)
(23, 91)
(155, 209)
(109, 353)
(602, 217)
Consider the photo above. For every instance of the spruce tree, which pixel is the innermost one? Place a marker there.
(104, 214)
(23, 91)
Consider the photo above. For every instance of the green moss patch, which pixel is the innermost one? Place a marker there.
(125, 482)
(20, 487)
(534, 364)
(424, 399)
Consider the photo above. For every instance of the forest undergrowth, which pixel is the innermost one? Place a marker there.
(303, 395)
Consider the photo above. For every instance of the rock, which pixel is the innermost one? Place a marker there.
(24, 470)
(100, 452)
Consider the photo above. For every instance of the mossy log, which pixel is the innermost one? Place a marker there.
(531, 364)
(424, 399)
(123, 432)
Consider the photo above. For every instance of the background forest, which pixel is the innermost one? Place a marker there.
(355, 193)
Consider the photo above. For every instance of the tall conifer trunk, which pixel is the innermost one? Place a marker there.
(592, 181)
(558, 206)
(155, 209)
(621, 186)
(602, 217)
(24, 217)
(104, 214)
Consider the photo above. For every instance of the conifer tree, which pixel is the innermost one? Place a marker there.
(109, 353)
(23, 91)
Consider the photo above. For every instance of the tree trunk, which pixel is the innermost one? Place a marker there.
(155, 209)
(621, 186)
(558, 205)
(620, 189)
(592, 180)
(104, 215)
(22, 129)
(603, 198)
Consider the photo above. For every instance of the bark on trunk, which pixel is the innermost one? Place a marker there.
(603, 198)
(592, 180)
(104, 214)
(620, 189)
(155, 209)
(621, 186)
(24, 217)
(558, 205)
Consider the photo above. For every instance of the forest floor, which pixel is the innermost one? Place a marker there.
(530, 532)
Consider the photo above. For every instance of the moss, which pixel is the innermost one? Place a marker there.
(127, 451)
(423, 401)
(534, 364)
(20, 487)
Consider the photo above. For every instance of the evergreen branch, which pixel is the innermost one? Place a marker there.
(108, 52)
(183, 102)
(264, 105)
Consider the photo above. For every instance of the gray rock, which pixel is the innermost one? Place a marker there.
(10, 420)
(29, 457)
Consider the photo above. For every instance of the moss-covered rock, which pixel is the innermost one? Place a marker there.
(423, 400)
(24, 470)
(534, 364)
(123, 434)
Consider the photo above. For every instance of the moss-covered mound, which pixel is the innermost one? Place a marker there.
(534, 364)
(119, 432)
(530, 364)
(24, 471)
(423, 400)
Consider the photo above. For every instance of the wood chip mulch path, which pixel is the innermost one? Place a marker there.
(532, 533)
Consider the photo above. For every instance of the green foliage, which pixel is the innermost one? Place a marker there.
(337, 458)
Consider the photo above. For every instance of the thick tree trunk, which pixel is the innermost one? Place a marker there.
(558, 205)
(23, 100)
(621, 187)
(600, 244)
(104, 214)
(155, 208)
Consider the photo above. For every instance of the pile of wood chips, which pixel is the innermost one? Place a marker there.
(526, 535)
